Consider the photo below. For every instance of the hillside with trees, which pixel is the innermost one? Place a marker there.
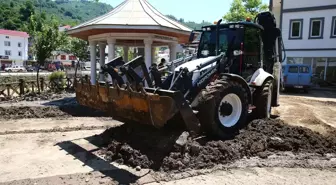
(14, 14)
(190, 24)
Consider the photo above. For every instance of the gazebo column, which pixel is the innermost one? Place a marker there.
(125, 53)
(102, 47)
(172, 50)
(93, 48)
(111, 48)
(148, 52)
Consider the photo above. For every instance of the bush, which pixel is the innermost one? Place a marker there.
(57, 79)
(57, 75)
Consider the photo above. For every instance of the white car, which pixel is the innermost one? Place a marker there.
(15, 68)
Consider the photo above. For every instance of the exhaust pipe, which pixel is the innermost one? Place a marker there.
(217, 37)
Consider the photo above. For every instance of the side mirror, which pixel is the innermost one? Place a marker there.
(191, 37)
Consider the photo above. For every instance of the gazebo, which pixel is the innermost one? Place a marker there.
(133, 23)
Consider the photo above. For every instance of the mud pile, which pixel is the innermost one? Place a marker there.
(61, 112)
(146, 147)
(32, 96)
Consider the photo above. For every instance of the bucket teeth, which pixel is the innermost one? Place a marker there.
(134, 86)
(141, 88)
(129, 88)
(87, 80)
(107, 85)
(116, 85)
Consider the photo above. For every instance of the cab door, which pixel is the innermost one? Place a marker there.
(252, 58)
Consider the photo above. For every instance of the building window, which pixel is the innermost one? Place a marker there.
(20, 54)
(294, 60)
(295, 28)
(333, 27)
(7, 37)
(7, 43)
(8, 53)
(19, 44)
(316, 28)
(71, 57)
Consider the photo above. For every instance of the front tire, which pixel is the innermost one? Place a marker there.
(263, 101)
(223, 108)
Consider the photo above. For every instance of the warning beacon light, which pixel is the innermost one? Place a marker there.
(248, 19)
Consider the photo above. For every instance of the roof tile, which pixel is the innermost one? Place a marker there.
(135, 13)
(14, 33)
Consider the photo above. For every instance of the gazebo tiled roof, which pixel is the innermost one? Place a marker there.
(133, 16)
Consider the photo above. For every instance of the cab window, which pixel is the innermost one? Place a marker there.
(252, 46)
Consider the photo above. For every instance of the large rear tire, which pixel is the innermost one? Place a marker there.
(223, 108)
(263, 101)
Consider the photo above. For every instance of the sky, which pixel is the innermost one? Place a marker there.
(189, 10)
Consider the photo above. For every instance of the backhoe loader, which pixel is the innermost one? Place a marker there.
(235, 74)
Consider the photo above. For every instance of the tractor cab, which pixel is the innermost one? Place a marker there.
(244, 40)
(248, 45)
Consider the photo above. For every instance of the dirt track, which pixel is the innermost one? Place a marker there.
(54, 150)
(315, 111)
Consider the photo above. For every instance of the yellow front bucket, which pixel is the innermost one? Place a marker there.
(123, 104)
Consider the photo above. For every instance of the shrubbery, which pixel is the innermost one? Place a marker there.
(57, 79)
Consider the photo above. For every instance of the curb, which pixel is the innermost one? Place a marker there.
(323, 89)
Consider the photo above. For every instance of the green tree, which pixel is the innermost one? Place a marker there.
(46, 39)
(10, 25)
(241, 9)
(26, 11)
(78, 48)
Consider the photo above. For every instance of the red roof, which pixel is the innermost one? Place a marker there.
(14, 33)
(66, 27)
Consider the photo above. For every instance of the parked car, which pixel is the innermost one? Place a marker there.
(15, 68)
(297, 76)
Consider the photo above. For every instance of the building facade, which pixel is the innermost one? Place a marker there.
(309, 34)
(13, 47)
(63, 57)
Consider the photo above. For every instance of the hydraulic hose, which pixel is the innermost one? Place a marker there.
(283, 49)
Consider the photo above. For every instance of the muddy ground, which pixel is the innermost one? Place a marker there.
(315, 110)
(60, 106)
(33, 96)
(301, 135)
(142, 146)
(148, 148)
(59, 112)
